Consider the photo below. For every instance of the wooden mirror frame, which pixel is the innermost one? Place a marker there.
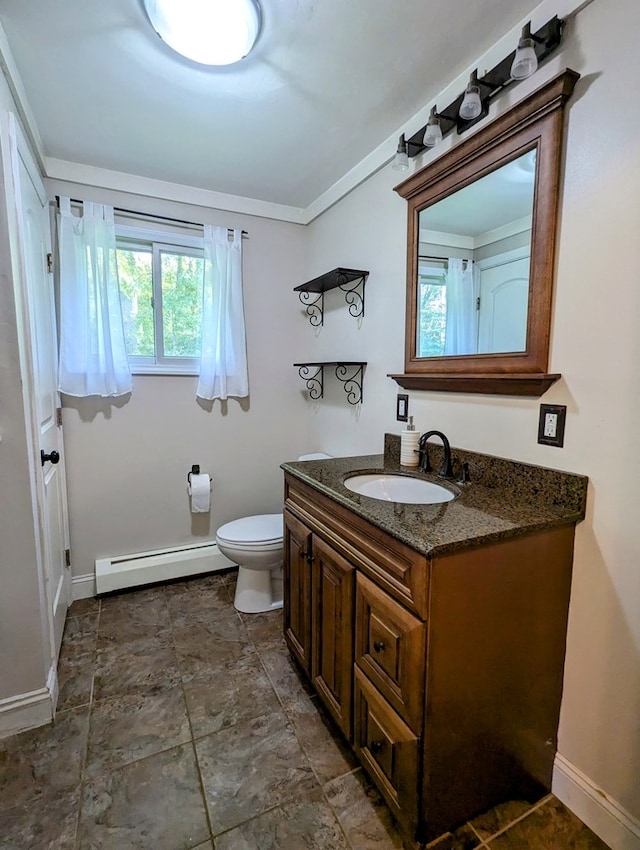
(536, 123)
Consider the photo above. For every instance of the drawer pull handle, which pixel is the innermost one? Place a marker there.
(378, 645)
(376, 746)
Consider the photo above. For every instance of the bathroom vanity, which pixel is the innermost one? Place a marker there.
(435, 634)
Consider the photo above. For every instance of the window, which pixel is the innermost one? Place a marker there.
(161, 279)
(432, 308)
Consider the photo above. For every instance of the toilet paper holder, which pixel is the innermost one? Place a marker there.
(195, 470)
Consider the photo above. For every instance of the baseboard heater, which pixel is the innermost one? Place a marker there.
(123, 571)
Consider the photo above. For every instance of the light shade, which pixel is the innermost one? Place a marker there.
(211, 32)
(525, 62)
(433, 131)
(401, 160)
(471, 105)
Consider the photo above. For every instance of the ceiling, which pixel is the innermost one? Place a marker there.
(328, 81)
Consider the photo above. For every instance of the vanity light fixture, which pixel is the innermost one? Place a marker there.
(472, 105)
(401, 160)
(525, 62)
(210, 32)
(433, 132)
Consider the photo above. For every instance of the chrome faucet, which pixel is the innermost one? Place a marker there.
(446, 470)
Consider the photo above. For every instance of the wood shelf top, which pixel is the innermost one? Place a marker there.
(533, 385)
(331, 280)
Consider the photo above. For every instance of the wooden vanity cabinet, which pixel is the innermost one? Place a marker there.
(444, 673)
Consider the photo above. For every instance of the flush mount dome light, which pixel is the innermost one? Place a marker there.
(211, 32)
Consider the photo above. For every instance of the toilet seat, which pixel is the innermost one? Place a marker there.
(264, 531)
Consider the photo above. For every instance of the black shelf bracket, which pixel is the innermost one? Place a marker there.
(352, 382)
(313, 375)
(349, 373)
(314, 306)
(354, 295)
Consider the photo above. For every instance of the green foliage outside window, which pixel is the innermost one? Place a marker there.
(136, 298)
(432, 316)
(181, 304)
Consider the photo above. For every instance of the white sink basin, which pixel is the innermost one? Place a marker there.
(398, 488)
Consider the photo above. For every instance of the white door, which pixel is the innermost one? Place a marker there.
(504, 298)
(32, 244)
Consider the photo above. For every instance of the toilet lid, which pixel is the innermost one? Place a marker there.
(263, 528)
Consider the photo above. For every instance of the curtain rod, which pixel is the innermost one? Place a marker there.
(152, 215)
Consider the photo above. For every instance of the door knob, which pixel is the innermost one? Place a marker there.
(54, 457)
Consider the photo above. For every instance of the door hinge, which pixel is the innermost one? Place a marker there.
(67, 557)
(50, 263)
(478, 303)
(59, 417)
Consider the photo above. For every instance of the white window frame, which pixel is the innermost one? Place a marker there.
(158, 241)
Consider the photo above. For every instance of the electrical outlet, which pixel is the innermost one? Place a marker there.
(402, 407)
(551, 424)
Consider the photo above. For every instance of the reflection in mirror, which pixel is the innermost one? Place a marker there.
(473, 265)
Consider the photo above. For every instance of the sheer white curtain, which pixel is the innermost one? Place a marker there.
(93, 357)
(223, 362)
(461, 334)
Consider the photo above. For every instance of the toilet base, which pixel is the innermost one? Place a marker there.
(258, 590)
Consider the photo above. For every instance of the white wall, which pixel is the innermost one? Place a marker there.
(127, 462)
(595, 345)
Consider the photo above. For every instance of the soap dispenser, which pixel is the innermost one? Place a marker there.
(409, 445)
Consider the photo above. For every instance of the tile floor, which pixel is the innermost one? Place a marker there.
(182, 724)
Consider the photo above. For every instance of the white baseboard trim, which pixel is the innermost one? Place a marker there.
(83, 587)
(52, 686)
(614, 825)
(122, 571)
(25, 711)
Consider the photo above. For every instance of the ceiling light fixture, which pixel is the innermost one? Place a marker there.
(210, 32)
(473, 104)
(401, 160)
(525, 62)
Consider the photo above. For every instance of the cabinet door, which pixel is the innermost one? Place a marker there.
(333, 594)
(297, 590)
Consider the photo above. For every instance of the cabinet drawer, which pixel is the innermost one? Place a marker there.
(388, 749)
(390, 649)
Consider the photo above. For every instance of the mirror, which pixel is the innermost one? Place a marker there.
(474, 248)
(480, 254)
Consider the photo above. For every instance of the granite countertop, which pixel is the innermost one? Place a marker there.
(503, 499)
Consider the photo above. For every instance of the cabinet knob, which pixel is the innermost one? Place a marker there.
(376, 746)
(378, 645)
(307, 555)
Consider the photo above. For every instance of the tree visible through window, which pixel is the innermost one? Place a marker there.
(161, 297)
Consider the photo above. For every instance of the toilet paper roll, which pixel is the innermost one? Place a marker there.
(200, 491)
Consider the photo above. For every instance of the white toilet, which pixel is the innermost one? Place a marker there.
(255, 543)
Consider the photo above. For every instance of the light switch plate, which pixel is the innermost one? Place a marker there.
(551, 424)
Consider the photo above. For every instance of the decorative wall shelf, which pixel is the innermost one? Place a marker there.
(349, 373)
(533, 385)
(350, 281)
